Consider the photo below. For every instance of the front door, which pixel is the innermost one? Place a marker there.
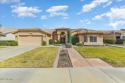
(62, 39)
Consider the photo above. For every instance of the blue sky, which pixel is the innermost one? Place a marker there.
(47, 14)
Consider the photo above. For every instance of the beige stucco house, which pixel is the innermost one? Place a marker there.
(35, 36)
(89, 37)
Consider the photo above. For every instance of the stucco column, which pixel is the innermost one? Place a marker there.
(80, 39)
(58, 37)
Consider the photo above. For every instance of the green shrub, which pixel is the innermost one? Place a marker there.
(44, 43)
(8, 43)
(109, 41)
(51, 41)
(79, 44)
(120, 41)
(75, 39)
(68, 45)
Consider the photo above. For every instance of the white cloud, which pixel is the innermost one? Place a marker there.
(108, 4)
(58, 11)
(116, 23)
(113, 14)
(44, 17)
(116, 13)
(24, 11)
(85, 21)
(89, 7)
(98, 17)
(116, 16)
(65, 17)
(9, 1)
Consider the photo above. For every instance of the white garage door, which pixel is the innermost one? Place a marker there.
(30, 40)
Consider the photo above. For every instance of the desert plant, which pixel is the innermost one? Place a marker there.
(44, 43)
(57, 42)
(68, 45)
(79, 44)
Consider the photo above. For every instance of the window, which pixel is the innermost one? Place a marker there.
(117, 37)
(123, 37)
(93, 39)
(85, 38)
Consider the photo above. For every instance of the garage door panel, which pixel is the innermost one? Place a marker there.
(30, 40)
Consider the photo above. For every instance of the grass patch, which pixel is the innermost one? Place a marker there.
(112, 55)
(2, 46)
(42, 57)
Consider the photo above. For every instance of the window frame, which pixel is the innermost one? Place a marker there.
(93, 38)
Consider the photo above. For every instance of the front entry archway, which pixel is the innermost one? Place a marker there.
(62, 37)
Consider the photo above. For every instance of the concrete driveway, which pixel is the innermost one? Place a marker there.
(9, 52)
(62, 75)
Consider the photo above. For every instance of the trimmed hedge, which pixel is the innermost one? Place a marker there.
(75, 40)
(51, 41)
(109, 41)
(44, 43)
(8, 43)
(114, 41)
(120, 41)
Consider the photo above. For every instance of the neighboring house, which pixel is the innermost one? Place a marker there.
(89, 37)
(116, 34)
(31, 36)
(7, 36)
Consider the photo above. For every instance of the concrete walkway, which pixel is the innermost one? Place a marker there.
(6, 53)
(62, 75)
(78, 61)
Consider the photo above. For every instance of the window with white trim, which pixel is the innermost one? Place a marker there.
(93, 39)
(123, 37)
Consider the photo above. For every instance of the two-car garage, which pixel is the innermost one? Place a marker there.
(30, 40)
(31, 36)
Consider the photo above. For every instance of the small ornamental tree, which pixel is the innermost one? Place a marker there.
(75, 40)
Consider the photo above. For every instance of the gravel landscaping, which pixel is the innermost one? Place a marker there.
(64, 59)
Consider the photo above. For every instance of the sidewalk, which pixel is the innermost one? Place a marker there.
(62, 75)
(115, 45)
(76, 59)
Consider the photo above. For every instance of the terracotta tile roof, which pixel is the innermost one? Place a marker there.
(87, 31)
(49, 30)
(31, 29)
